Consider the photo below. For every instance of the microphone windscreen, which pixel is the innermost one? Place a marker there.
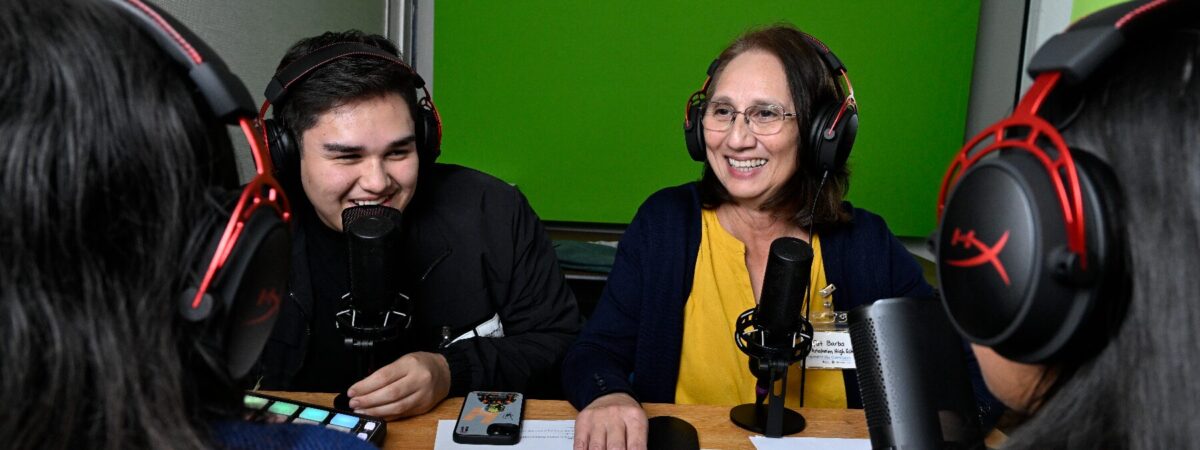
(912, 375)
(784, 284)
(372, 236)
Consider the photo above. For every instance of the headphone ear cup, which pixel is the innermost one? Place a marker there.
(241, 304)
(429, 138)
(1008, 280)
(284, 154)
(253, 284)
(830, 138)
(693, 132)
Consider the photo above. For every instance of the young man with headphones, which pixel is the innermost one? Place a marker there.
(490, 307)
(1067, 244)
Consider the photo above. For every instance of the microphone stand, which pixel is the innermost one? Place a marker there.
(375, 311)
(362, 338)
(775, 420)
(772, 419)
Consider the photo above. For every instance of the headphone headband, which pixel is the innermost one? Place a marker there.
(224, 93)
(1077, 52)
(295, 70)
(833, 63)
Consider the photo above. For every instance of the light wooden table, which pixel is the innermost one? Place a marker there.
(711, 422)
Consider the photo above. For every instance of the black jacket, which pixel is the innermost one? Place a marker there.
(474, 248)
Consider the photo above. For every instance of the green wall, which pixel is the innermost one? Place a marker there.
(1082, 8)
(580, 103)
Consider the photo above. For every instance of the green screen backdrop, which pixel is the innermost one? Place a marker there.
(580, 103)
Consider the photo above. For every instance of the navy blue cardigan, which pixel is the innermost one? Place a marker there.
(632, 342)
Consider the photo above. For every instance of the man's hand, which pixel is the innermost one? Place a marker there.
(610, 422)
(412, 385)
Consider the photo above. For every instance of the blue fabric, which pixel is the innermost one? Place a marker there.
(240, 434)
(633, 341)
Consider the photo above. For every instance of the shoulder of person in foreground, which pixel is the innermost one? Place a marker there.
(235, 434)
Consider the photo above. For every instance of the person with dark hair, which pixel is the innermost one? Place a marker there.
(112, 173)
(1125, 378)
(694, 256)
(491, 311)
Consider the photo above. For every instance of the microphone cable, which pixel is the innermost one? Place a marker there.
(812, 219)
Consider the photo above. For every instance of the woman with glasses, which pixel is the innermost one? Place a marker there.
(694, 257)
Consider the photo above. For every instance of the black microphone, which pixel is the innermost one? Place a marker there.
(912, 373)
(774, 335)
(785, 283)
(375, 309)
(774, 328)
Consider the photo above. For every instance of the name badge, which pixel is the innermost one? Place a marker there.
(831, 350)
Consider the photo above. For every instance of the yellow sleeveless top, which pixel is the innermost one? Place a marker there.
(711, 368)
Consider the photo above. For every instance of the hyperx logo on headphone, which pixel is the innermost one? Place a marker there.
(986, 254)
(268, 300)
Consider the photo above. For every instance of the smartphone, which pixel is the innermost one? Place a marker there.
(490, 418)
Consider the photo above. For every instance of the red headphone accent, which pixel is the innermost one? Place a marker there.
(262, 191)
(1023, 130)
(846, 103)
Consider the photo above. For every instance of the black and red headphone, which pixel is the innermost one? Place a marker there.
(830, 136)
(234, 299)
(283, 143)
(1031, 246)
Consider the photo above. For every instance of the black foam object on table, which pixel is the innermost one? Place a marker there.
(671, 433)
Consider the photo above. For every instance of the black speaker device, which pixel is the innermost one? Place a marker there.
(913, 378)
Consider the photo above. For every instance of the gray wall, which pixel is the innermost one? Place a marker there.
(251, 36)
(1010, 31)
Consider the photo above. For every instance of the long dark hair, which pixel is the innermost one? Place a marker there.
(1140, 113)
(811, 84)
(107, 164)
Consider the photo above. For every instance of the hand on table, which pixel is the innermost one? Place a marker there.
(411, 385)
(611, 421)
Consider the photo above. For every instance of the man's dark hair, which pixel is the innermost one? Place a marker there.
(811, 84)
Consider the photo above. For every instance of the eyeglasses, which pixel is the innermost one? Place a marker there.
(763, 120)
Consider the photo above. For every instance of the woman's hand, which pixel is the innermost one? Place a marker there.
(613, 421)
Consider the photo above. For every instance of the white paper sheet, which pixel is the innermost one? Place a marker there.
(809, 443)
(535, 435)
(560, 434)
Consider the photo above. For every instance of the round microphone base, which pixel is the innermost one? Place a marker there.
(754, 418)
(342, 403)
